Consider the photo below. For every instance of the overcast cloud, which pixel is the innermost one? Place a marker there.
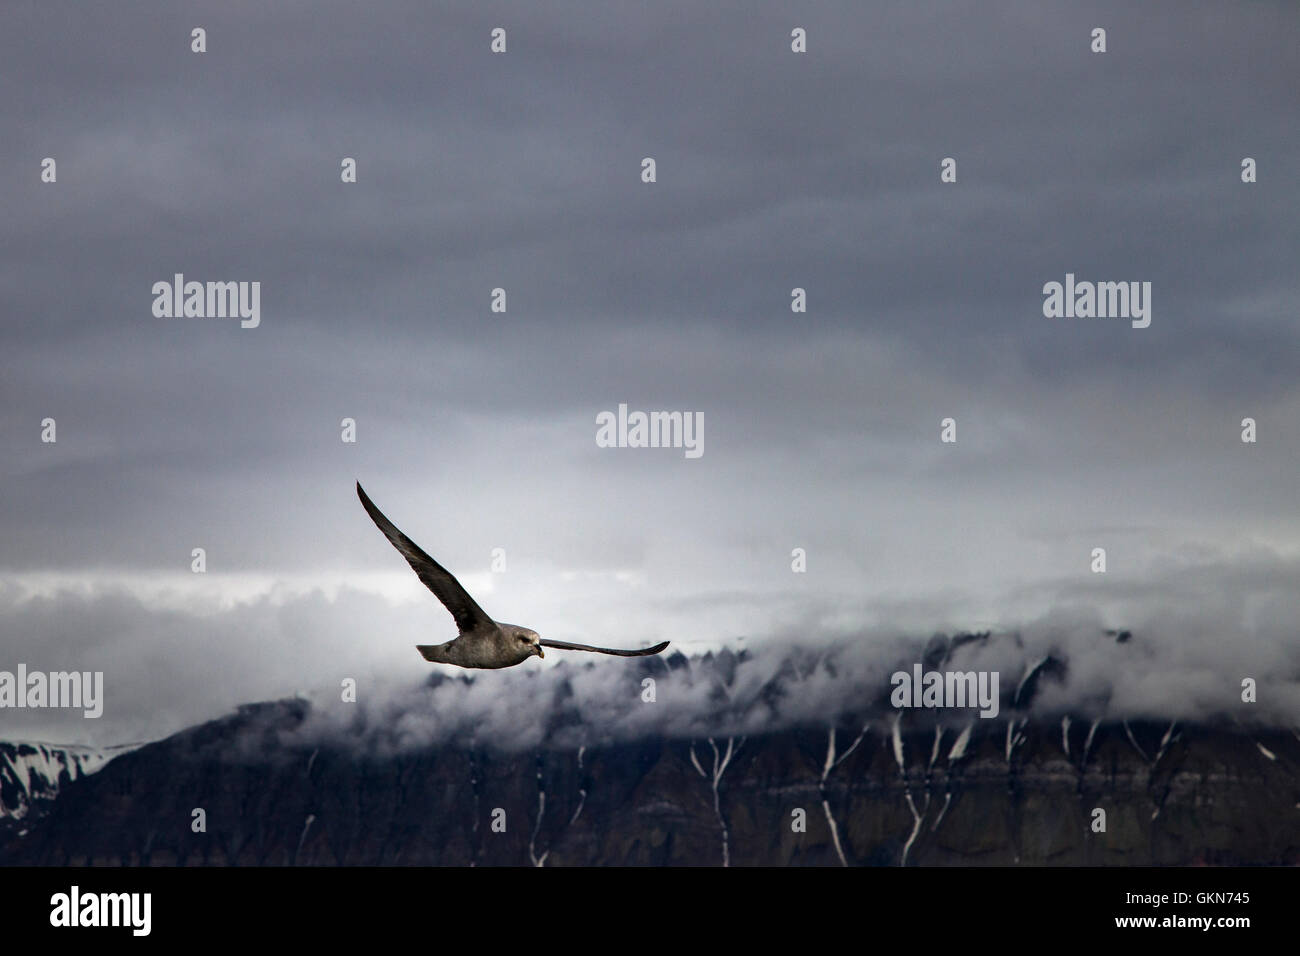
(477, 431)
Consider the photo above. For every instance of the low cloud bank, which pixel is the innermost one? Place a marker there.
(1062, 663)
(1198, 630)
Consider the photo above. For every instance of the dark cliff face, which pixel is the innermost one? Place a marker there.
(870, 785)
(1000, 791)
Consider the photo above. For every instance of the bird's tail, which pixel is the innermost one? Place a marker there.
(428, 651)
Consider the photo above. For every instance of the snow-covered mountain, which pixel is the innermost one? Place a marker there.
(280, 784)
(32, 773)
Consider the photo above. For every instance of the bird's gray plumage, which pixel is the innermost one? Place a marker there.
(482, 642)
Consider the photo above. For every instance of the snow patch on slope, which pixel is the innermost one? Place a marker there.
(35, 771)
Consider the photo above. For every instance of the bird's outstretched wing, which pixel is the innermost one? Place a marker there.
(436, 578)
(566, 646)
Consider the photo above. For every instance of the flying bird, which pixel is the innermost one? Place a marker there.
(482, 642)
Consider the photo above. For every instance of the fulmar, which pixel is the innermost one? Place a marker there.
(482, 642)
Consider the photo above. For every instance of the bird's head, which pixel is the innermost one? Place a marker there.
(531, 640)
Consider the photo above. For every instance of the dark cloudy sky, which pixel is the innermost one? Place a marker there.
(477, 431)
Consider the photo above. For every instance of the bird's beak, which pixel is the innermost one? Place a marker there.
(540, 652)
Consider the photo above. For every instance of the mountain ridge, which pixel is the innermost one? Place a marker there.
(291, 782)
